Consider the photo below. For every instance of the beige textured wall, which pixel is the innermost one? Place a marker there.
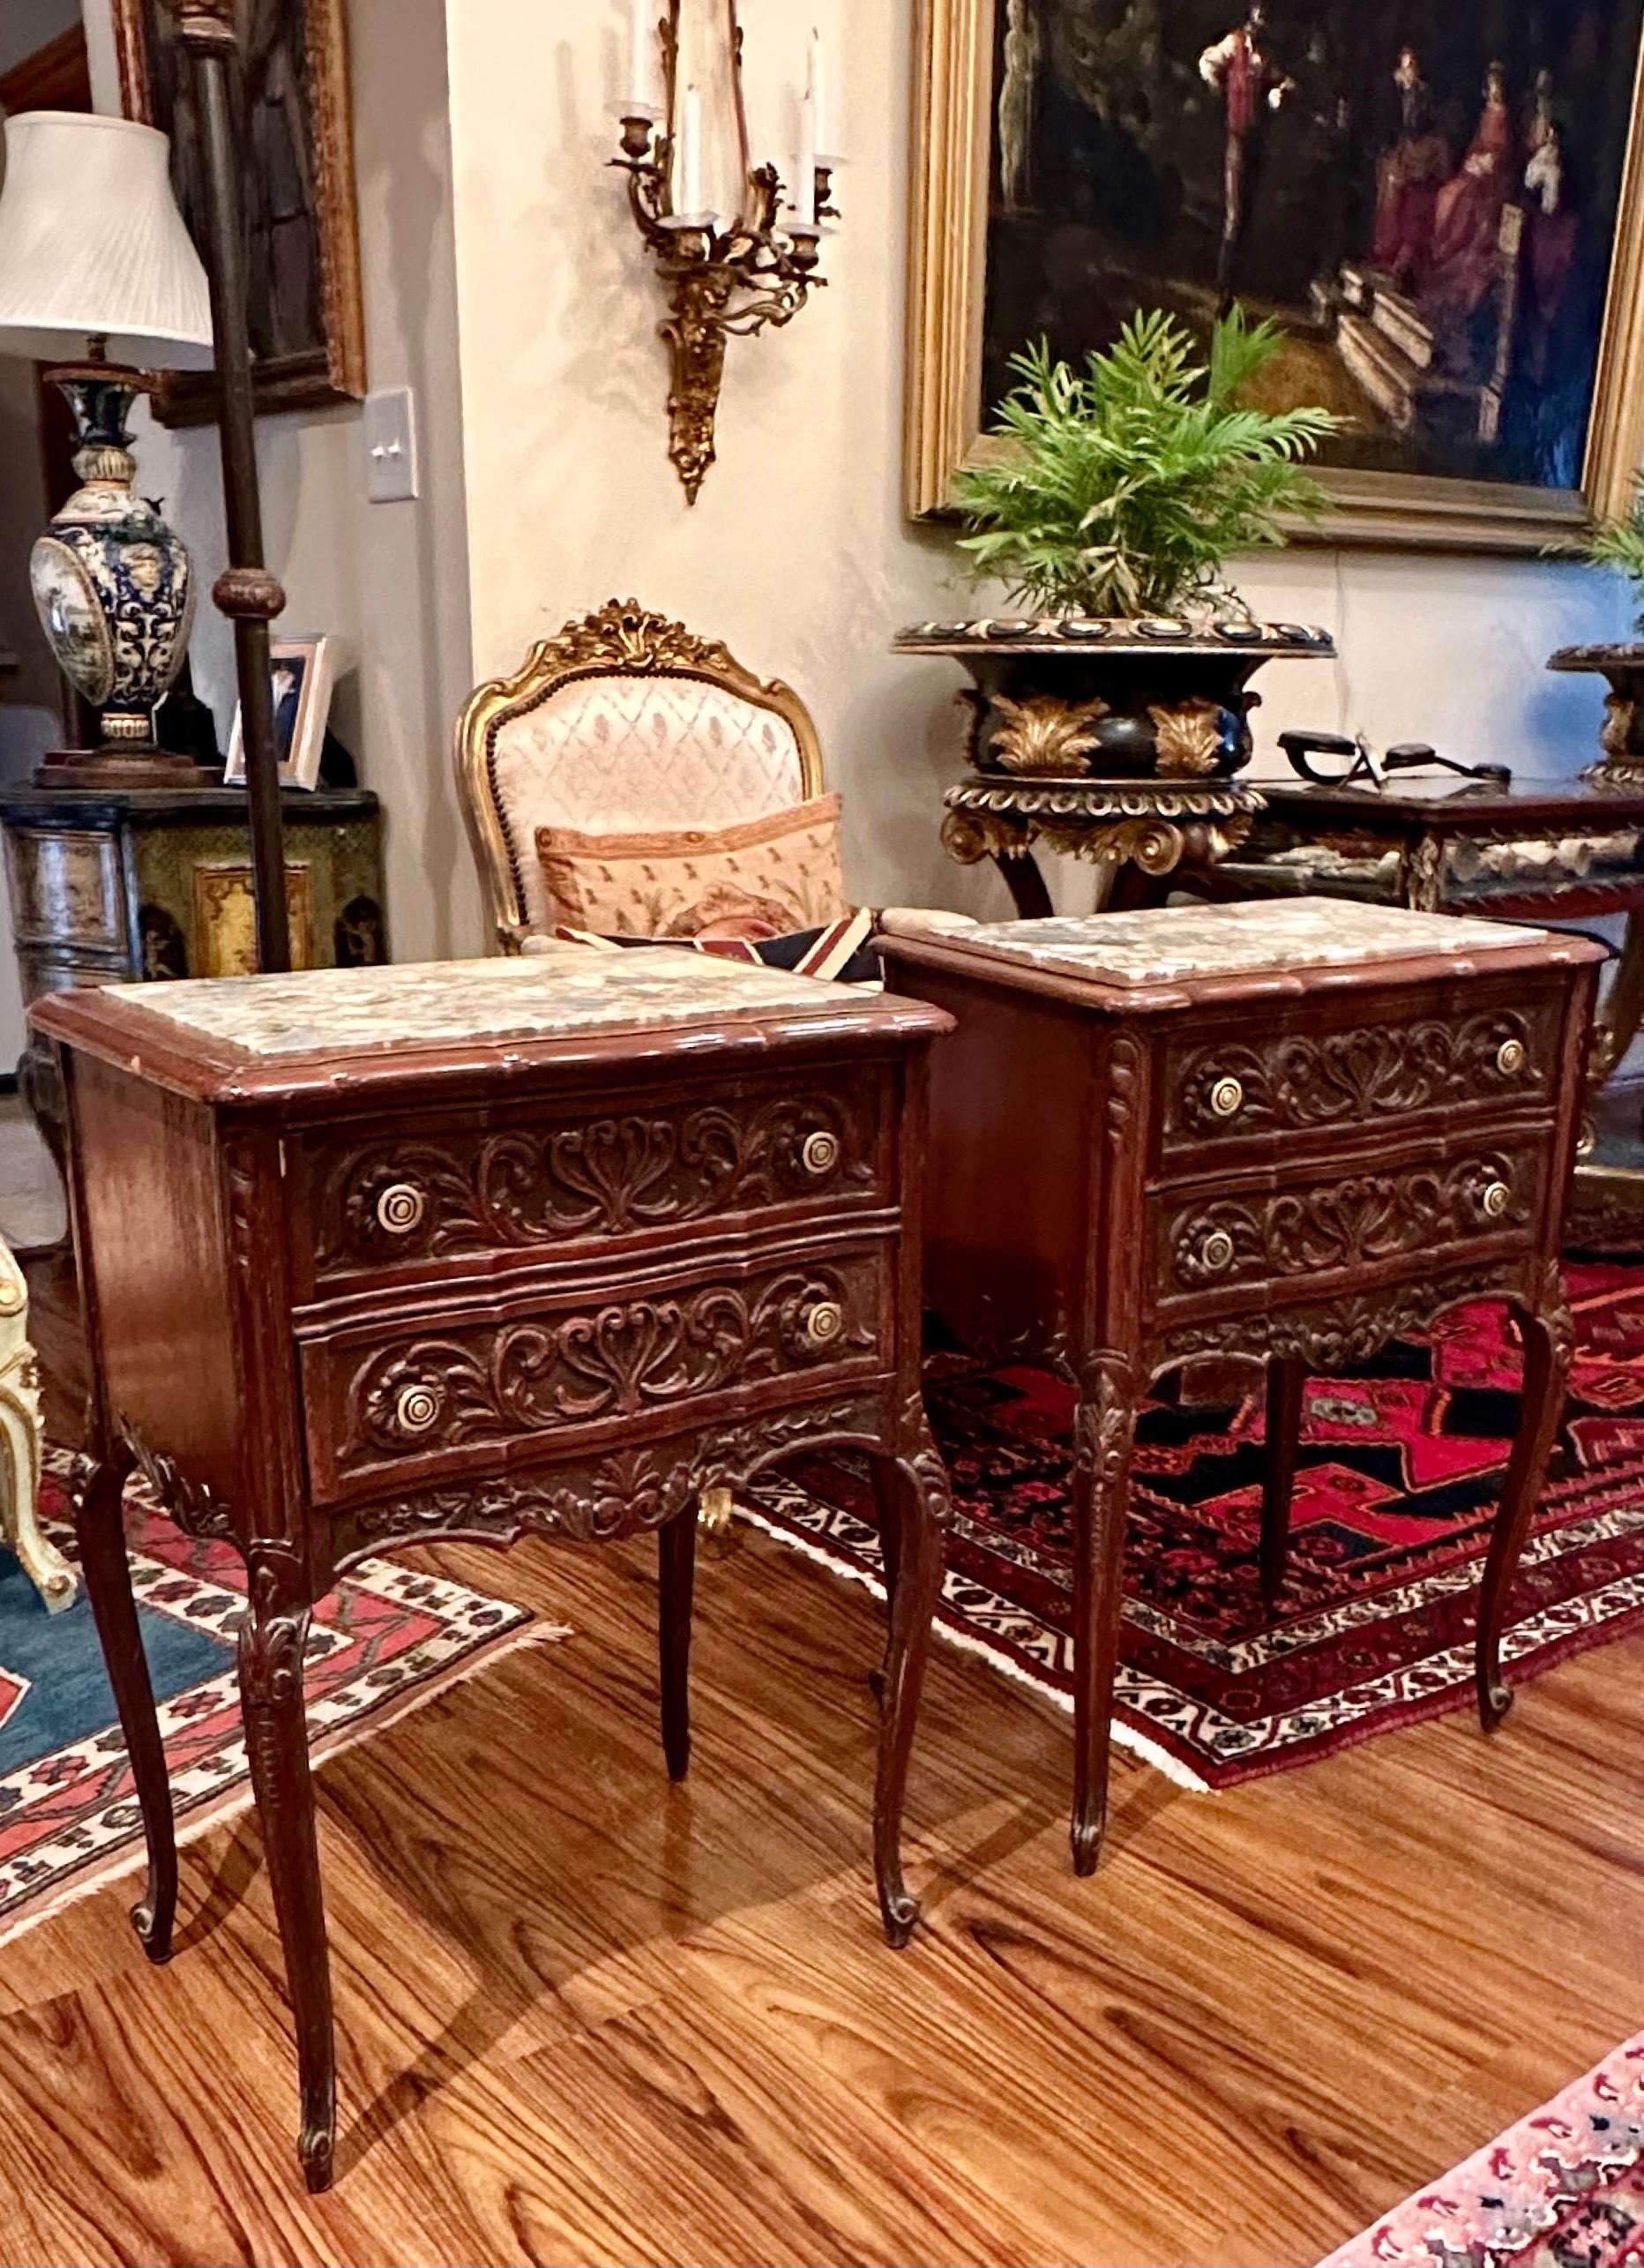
(504, 228)
(797, 552)
(390, 578)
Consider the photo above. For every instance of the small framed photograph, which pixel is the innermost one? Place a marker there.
(302, 672)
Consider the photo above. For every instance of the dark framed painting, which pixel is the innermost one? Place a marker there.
(1441, 202)
(297, 141)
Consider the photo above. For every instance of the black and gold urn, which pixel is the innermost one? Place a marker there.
(1079, 697)
(1621, 737)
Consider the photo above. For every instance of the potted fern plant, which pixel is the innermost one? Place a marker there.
(1109, 510)
(1617, 543)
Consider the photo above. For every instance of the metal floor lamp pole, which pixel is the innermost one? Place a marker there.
(246, 592)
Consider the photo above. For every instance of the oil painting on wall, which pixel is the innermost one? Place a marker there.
(295, 142)
(1436, 201)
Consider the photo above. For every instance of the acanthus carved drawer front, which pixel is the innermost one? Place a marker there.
(1333, 1223)
(376, 1207)
(1363, 1074)
(450, 1390)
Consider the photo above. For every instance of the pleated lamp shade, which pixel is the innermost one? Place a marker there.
(92, 246)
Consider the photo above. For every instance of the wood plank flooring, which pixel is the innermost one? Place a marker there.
(587, 2018)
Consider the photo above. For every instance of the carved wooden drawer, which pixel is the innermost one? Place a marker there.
(1319, 1224)
(1365, 1074)
(452, 1388)
(371, 1208)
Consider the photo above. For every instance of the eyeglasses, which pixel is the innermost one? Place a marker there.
(1330, 759)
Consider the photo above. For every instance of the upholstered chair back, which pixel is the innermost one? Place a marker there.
(625, 722)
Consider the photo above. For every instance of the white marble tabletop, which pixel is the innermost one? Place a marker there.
(1225, 940)
(561, 992)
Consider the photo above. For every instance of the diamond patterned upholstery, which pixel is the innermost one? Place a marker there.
(614, 753)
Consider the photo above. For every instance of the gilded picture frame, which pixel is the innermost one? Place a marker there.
(307, 314)
(954, 120)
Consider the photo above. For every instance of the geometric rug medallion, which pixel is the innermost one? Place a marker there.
(1400, 1473)
(388, 1639)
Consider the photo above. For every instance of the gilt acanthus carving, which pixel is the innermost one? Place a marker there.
(621, 1359)
(610, 1176)
(623, 636)
(1359, 1075)
(620, 1494)
(1344, 1223)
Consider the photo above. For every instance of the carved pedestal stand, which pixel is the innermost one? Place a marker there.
(1141, 835)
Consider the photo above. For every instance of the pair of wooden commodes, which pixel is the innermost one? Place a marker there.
(564, 1244)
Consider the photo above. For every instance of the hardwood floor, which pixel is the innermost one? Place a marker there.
(587, 2018)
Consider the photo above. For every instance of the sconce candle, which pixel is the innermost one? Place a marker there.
(687, 204)
(817, 94)
(642, 54)
(725, 276)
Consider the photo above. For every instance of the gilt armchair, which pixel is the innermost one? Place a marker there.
(623, 723)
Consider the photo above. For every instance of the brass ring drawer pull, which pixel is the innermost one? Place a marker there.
(1510, 1058)
(818, 1153)
(400, 1208)
(825, 1323)
(1215, 1253)
(1227, 1099)
(1496, 1198)
(417, 1409)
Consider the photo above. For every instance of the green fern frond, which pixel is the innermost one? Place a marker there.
(1130, 484)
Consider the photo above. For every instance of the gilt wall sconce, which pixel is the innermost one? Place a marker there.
(727, 273)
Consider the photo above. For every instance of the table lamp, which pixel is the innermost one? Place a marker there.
(99, 276)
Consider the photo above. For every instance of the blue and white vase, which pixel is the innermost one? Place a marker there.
(114, 587)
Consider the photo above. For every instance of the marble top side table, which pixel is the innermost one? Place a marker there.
(1283, 1133)
(386, 1256)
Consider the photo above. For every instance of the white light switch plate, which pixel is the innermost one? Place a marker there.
(390, 446)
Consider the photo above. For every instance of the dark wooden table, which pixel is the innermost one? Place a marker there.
(1287, 1134)
(129, 885)
(384, 1256)
(1538, 851)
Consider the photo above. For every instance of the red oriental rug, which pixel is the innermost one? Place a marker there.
(1400, 1473)
(388, 1639)
(1564, 2188)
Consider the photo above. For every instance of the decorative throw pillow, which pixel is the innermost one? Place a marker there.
(759, 880)
(843, 953)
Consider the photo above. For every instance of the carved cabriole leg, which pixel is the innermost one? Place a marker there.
(1548, 1333)
(888, 1506)
(274, 1637)
(920, 1479)
(1287, 1385)
(99, 1531)
(1104, 1433)
(676, 1571)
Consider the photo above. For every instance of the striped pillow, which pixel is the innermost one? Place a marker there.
(841, 954)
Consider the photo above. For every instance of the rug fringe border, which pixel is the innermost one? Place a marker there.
(966, 1641)
(240, 1799)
